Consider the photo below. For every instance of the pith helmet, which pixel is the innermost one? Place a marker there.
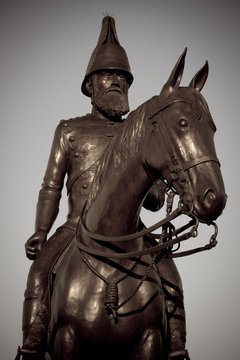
(108, 54)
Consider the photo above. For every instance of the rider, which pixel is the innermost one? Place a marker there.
(77, 147)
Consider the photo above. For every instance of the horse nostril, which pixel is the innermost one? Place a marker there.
(209, 198)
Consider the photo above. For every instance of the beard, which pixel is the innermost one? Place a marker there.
(112, 104)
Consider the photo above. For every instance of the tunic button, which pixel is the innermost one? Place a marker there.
(76, 154)
(85, 186)
(72, 138)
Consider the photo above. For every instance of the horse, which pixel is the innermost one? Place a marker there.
(107, 299)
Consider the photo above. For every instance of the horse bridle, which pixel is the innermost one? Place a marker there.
(185, 207)
(177, 169)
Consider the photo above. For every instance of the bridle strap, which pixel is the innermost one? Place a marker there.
(200, 160)
(212, 243)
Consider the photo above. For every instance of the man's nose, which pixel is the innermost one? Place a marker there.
(115, 80)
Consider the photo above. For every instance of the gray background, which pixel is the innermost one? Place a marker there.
(45, 48)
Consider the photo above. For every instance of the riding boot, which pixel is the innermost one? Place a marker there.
(35, 323)
(173, 293)
(177, 327)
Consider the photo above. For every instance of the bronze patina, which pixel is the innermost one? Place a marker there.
(102, 286)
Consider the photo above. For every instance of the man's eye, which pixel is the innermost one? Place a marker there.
(122, 77)
(106, 74)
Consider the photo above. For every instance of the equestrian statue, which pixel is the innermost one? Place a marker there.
(104, 286)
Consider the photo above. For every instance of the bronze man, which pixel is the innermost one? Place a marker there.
(77, 147)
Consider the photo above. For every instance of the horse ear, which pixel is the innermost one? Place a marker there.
(176, 75)
(200, 78)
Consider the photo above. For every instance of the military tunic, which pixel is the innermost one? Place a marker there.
(77, 148)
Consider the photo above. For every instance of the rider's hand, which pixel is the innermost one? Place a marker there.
(35, 243)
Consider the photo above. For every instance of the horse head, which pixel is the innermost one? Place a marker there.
(181, 148)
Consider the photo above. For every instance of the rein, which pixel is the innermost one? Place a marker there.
(166, 239)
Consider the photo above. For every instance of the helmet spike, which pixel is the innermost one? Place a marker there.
(108, 33)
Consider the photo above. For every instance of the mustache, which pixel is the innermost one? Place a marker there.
(114, 89)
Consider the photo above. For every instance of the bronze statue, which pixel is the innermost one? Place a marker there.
(102, 286)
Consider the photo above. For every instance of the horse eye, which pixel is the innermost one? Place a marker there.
(183, 123)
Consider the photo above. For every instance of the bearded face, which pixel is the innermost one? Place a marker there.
(110, 93)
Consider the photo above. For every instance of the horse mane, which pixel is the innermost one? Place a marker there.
(129, 139)
(124, 146)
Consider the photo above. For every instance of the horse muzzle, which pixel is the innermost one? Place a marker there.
(207, 189)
